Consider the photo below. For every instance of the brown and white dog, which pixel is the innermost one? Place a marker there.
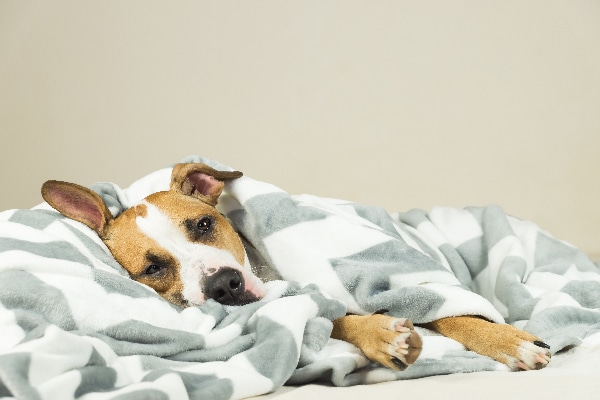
(177, 243)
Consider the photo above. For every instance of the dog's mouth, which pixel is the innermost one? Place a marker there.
(228, 287)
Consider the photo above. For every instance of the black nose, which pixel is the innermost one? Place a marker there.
(225, 286)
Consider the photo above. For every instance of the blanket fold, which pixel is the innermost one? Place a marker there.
(75, 326)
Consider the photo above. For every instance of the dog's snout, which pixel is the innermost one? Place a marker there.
(226, 286)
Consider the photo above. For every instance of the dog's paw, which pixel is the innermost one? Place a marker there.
(392, 342)
(403, 344)
(529, 355)
(518, 349)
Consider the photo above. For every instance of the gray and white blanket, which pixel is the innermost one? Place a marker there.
(73, 325)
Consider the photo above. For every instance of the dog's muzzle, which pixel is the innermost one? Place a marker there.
(227, 287)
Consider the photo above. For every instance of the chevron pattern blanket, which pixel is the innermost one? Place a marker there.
(73, 324)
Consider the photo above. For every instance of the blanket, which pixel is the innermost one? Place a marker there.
(74, 325)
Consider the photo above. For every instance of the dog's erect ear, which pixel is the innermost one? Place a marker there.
(201, 181)
(78, 203)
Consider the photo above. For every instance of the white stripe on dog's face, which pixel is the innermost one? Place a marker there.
(195, 260)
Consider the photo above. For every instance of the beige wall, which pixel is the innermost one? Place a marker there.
(398, 103)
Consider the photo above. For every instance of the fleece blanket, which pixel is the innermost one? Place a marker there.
(73, 324)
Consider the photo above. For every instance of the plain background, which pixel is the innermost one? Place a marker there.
(395, 103)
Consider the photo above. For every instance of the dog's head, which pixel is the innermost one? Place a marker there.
(173, 241)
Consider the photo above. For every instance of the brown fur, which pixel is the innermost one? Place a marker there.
(498, 341)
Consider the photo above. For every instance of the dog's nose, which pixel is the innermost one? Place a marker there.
(226, 286)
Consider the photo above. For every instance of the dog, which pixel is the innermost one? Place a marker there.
(177, 243)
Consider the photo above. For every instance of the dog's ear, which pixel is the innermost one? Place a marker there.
(78, 203)
(201, 181)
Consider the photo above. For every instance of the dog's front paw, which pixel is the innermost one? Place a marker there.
(518, 349)
(529, 355)
(392, 342)
(403, 344)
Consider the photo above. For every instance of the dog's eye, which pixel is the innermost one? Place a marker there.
(204, 225)
(154, 269)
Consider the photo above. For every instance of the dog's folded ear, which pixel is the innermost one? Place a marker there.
(201, 181)
(78, 203)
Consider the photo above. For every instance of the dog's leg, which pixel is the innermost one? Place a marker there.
(390, 341)
(504, 343)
